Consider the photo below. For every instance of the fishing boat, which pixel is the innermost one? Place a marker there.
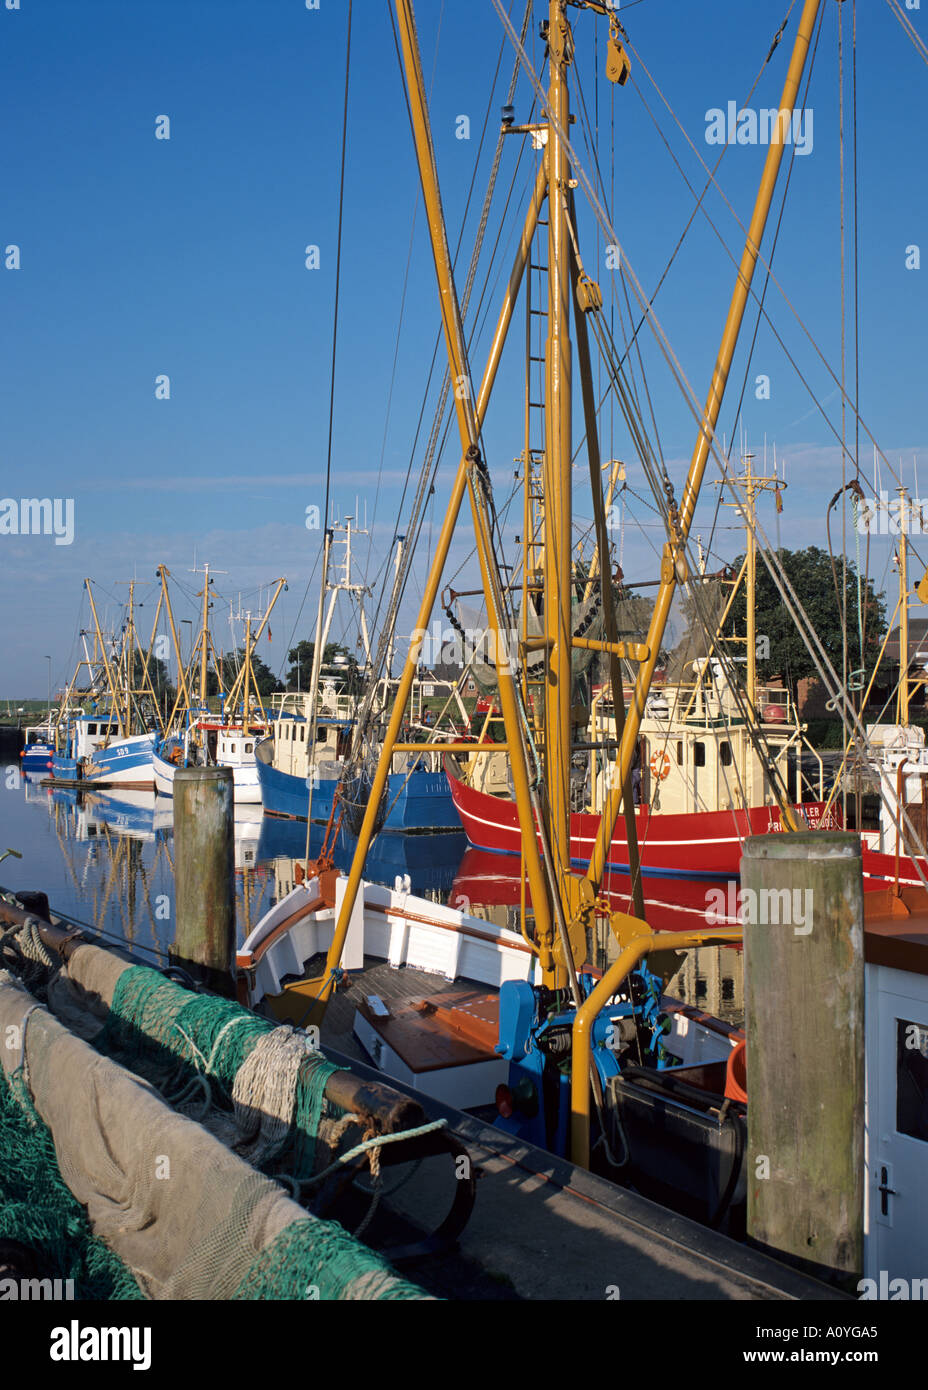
(224, 745)
(709, 755)
(39, 747)
(195, 736)
(582, 1056)
(312, 764)
(501, 1034)
(111, 744)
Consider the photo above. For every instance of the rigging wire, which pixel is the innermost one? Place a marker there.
(699, 198)
(916, 39)
(338, 268)
(782, 581)
(430, 467)
(761, 260)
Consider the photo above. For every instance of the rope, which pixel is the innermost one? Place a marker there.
(264, 1092)
(283, 1085)
(376, 1142)
(32, 945)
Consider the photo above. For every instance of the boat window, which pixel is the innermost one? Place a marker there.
(725, 754)
(232, 747)
(321, 735)
(911, 1079)
(699, 755)
(679, 752)
(249, 747)
(91, 728)
(302, 733)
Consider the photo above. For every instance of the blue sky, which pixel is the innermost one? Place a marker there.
(185, 256)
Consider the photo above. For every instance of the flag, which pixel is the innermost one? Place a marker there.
(269, 634)
(779, 501)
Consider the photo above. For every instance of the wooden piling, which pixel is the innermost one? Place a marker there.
(804, 1004)
(204, 876)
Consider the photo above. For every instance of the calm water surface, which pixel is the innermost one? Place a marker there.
(108, 862)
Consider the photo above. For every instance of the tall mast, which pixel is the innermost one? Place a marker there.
(468, 481)
(111, 678)
(246, 686)
(902, 695)
(204, 635)
(130, 654)
(182, 694)
(251, 646)
(558, 573)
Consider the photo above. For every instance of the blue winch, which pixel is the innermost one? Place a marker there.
(535, 1028)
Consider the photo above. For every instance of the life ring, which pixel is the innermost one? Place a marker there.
(660, 764)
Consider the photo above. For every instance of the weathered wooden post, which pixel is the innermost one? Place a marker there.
(802, 905)
(204, 876)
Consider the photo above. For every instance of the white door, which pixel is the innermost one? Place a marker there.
(898, 1109)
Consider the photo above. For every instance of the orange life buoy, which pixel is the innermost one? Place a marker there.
(660, 764)
(736, 1084)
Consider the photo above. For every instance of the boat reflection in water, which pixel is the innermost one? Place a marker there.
(426, 863)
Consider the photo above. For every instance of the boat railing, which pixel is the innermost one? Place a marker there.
(330, 704)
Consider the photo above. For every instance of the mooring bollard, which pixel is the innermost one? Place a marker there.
(802, 905)
(204, 876)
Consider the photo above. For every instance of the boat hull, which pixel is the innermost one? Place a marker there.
(701, 845)
(246, 789)
(36, 757)
(885, 869)
(417, 802)
(126, 764)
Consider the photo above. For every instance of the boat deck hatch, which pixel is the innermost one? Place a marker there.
(444, 1030)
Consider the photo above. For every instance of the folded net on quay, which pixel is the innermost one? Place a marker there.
(145, 1132)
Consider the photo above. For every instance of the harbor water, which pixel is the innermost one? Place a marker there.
(106, 862)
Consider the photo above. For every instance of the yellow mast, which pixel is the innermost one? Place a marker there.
(246, 679)
(204, 636)
(182, 693)
(110, 678)
(902, 693)
(467, 481)
(753, 484)
(129, 654)
(147, 683)
(558, 548)
(250, 647)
